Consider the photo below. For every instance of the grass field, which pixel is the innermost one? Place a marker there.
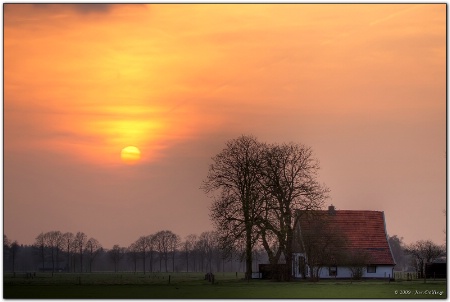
(193, 285)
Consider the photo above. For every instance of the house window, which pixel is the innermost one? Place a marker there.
(371, 268)
(332, 271)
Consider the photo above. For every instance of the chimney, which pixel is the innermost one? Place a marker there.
(331, 210)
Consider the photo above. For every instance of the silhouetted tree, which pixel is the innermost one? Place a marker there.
(207, 243)
(6, 250)
(6, 241)
(142, 245)
(232, 181)
(116, 254)
(133, 253)
(289, 179)
(165, 242)
(53, 241)
(14, 250)
(59, 245)
(151, 249)
(40, 246)
(80, 243)
(424, 251)
(188, 247)
(398, 251)
(174, 243)
(67, 241)
(93, 247)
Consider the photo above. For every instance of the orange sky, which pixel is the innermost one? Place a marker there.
(363, 84)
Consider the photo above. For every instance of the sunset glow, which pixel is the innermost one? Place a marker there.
(364, 85)
(130, 155)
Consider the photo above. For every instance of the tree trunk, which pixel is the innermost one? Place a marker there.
(166, 256)
(143, 261)
(13, 261)
(57, 258)
(68, 260)
(151, 261)
(288, 256)
(187, 262)
(81, 260)
(195, 256)
(43, 258)
(53, 260)
(173, 262)
(248, 254)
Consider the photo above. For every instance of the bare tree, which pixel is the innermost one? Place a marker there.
(142, 245)
(289, 178)
(165, 242)
(201, 253)
(133, 252)
(40, 245)
(151, 249)
(174, 243)
(398, 251)
(6, 250)
(52, 241)
(116, 254)
(59, 246)
(80, 243)
(232, 181)
(6, 241)
(14, 249)
(424, 251)
(188, 247)
(67, 240)
(93, 247)
(207, 243)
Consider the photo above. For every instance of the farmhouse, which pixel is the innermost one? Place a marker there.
(341, 244)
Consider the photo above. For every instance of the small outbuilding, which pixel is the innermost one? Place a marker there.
(437, 268)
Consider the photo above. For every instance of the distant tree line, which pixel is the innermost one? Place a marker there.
(163, 251)
(57, 252)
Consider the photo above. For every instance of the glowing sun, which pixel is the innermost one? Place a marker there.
(130, 155)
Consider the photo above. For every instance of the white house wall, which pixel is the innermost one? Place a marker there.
(382, 271)
(344, 272)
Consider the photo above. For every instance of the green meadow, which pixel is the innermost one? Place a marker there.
(193, 285)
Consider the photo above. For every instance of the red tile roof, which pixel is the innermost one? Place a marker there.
(364, 230)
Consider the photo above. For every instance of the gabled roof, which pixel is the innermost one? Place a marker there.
(364, 231)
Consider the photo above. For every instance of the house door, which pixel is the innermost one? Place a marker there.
(302, 267)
